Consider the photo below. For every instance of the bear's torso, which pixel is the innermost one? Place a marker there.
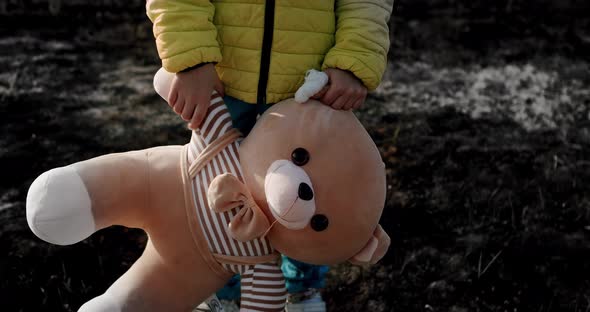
(262, 281)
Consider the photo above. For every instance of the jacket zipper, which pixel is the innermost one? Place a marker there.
(269, 20)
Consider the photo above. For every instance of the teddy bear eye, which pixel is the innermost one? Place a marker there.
(319, 222)
(300, 156)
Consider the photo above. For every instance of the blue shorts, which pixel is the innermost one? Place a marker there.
(244, 114)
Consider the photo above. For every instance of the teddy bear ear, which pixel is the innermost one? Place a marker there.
(226, 192)
(375, 248)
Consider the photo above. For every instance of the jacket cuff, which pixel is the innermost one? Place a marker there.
(182, 61)
(370, 77)
(196, 66)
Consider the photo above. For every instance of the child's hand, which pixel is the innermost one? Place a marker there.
(190, 93)
(344, 90)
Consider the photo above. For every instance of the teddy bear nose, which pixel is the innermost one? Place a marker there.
(289, 194)
(305, 192)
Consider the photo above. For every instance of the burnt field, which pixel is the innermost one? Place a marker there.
(483, 120)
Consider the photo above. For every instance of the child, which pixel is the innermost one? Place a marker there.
(255, 53)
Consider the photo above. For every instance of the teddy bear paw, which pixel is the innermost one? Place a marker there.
(59, 207)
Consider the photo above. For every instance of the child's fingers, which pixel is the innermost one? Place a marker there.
(321, 93)
(173, 93)
(188, 110)
(197, 119)
(358, 103)
(219, 88)
(179, 105)
(199, 114)
(363, 93)
(362, 98)
(330, 96)
(349, 103)
(172, 97)
(339, 102)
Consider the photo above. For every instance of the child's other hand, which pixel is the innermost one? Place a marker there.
(344, 91)
(190, 93)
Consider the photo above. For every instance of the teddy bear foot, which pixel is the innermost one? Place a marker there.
(59, 207)
(103, 303)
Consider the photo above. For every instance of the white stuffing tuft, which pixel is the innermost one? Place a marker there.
(314, 82)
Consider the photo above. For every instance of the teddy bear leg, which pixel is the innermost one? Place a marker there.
(155, 283)
(104, 302)
(66, 205)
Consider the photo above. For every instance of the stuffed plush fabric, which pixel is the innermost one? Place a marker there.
(212, 177)
(307, 182)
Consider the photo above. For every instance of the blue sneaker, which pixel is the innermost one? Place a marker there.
(307, 301)
(211, 304)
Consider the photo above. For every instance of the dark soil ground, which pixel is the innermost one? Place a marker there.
(483, 120)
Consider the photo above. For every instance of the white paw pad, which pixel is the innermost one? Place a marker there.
(59, 209)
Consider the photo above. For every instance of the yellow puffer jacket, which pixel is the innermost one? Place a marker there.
(263, 48)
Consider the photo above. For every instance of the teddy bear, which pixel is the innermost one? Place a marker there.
(307, 182)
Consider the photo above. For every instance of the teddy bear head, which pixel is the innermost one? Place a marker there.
(316, 182)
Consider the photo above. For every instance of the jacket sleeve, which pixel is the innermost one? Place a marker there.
(362, 39)
(184, 32)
